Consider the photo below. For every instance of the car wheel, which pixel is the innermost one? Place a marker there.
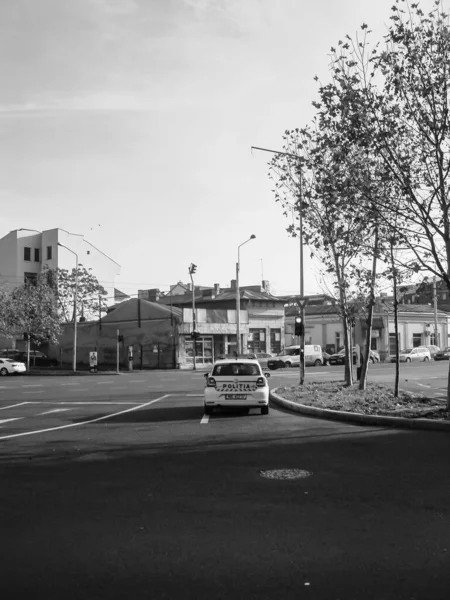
(4, 372)
(273, 367)
(287, 365)
(371, 359)
(318, 363)
(408, 360)
(265, 410)
(208, 410)
(426, 359)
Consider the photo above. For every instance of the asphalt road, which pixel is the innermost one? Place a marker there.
(118, 487)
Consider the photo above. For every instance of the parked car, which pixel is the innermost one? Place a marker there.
(37, 359)
(339, 357)
(8, 366)
(413, 354)
(290, 357)
(433, 349)
(238, 382)
(443, 354)
(261, 357)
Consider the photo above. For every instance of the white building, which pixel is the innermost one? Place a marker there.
(25, 252)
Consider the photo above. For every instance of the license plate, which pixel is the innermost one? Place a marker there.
(235, 396)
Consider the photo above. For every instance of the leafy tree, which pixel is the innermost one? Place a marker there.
(90, 294)
(31, 310)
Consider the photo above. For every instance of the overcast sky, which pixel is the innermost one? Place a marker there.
(131, 122)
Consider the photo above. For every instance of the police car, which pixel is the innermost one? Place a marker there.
(236, 382)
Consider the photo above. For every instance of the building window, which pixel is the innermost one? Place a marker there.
(49, 253)
(37, 255)
(337, 340)
(373, 343)
(203, 351)
(27, 254)
(417, 339)
(256, 340)
(275, 341)
(30, 278)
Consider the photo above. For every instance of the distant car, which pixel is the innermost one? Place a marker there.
(339, 357)
(261, 357)
(236, 382)
(433, 349)
(290, 357)
(414, 354)
(8, 366)
(443, 354)
(37, 359)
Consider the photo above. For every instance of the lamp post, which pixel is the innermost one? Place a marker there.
(302, 301)
(238, 298)
(74, 357)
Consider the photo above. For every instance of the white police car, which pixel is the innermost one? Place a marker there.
(236, 382)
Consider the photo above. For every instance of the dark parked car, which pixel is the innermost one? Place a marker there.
(443, 354)
(37, 359)
(339, 357)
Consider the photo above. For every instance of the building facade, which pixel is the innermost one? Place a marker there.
(25, 253)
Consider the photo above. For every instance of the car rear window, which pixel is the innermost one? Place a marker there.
(236, 369)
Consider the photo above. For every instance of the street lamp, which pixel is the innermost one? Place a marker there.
(74, 357)
(238, 299)
(302, 301)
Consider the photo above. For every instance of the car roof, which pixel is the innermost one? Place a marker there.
(227, 361)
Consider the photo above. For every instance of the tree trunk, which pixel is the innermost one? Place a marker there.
(364, 366)
(348, 370)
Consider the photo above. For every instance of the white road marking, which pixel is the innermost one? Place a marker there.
(137, 381)
(80, 390)
(55, 410)
(169, 378)
(2, 421)
(14, 405)
(33, 385)
(34, 392)
(423, 384)
(205, 420)
(70, 384)
(194, 395)
(104, 382)
(122, 412)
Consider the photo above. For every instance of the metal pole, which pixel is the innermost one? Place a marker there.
(302, 291)
(436, 334)
(74, 363)
(194, 324)
(238, 309)
(117, 351)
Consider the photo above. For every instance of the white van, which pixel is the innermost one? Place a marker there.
(290, 357)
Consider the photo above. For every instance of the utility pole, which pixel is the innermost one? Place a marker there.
(436, 331)
(192, 269)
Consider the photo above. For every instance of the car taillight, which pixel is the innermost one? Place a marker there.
(210, 382)
(260, 382)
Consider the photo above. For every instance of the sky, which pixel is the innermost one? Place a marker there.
(131, 122)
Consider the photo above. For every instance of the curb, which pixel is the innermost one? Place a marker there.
(359, 418)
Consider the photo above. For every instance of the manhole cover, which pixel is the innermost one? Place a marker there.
(285, 474)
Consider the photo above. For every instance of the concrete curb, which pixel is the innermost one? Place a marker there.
(359, 418)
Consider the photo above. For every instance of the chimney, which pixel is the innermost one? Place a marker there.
(233, 284)
(216, 289)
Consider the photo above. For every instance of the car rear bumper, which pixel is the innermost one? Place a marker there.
(258, 398)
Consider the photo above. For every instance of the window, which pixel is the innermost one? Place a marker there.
(417, 339)
(373, 343)
(27, 254)
(37, 255)
(337, 337)
(275, 341)
(256, 340)
(30, 278)
(49, 253)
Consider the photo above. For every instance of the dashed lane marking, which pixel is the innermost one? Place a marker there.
(69, 384)
(34, 392)
(70, 425)
(55, 410)
(14, 405)
(104, 382)
(3, 421)
(33, 385)
(137, 381)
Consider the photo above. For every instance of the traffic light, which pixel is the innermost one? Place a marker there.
(120, 338)
(192, 268)
(299, 328)
(195, 335)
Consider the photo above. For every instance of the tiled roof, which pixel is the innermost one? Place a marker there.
(388, 307)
